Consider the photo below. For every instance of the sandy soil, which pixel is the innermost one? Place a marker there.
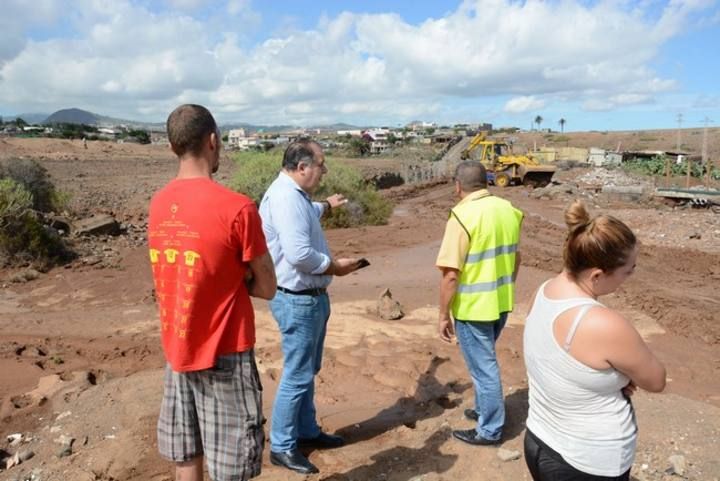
(80, 354)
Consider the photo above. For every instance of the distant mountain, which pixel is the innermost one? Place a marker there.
(338, 126)
(73, 116)
(79, 116)
(29, 118)
(251, 128)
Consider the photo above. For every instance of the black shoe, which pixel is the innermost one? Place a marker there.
(471, 414)
(294, 461)
(322, 441)
(471, 436)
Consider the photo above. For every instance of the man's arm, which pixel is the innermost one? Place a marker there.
(342, 267)
(448, 286)
(292, 223)
(450, 260)
(334, 201)
(263, 283)
(518, 257)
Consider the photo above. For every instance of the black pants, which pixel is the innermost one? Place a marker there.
(546, 464)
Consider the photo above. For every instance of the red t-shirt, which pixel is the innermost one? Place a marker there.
(201, 237)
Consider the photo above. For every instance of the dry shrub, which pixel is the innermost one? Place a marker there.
(23, 238)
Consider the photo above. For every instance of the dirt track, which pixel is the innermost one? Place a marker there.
(84, 340)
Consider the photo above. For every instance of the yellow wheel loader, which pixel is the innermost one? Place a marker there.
(504, 167)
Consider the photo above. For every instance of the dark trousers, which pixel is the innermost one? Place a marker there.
(546, 464)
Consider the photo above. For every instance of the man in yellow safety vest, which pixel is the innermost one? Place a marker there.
(479, 260)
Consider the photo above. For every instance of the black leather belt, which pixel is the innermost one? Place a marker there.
(315, 291)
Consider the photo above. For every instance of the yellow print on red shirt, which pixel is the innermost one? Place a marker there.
(175, 296)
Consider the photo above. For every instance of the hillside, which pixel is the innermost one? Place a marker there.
(73, 116)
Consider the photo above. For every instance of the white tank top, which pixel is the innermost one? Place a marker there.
(578, 411)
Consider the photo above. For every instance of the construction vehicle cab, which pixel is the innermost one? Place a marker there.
(504, 167)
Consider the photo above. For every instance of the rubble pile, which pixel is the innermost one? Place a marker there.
(614, 177)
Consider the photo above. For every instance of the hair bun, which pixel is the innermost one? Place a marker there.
(576, 215)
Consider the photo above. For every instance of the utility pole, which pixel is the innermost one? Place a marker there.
(679, 121)
(705, 159)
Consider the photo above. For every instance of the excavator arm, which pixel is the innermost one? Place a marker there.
(476, 141)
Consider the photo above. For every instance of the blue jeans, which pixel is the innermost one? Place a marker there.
(302, 321)
(477, 343)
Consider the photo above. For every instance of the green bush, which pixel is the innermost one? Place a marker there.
(36, 180)
(656, 166)
(257, 170)
(140, 136)
(23, 238)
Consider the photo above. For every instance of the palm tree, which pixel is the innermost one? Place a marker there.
(538, 121)
(562, 124)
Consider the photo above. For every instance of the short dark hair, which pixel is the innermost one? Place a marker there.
(472, 175)
(188, 126)
(300, 150)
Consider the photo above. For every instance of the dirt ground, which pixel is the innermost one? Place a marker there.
(80, 354)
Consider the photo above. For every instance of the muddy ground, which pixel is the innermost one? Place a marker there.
(80, 353)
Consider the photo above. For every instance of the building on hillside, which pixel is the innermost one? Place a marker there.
(601, 157)
(234, 137)
(419, 125)
(246, 143)
(107, 133)
(37, 128)
(378, 140)
(351, 133)
(159, 138)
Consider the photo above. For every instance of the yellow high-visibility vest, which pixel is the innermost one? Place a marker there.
(486, 288)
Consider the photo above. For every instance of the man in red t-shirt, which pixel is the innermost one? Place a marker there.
(208, 256)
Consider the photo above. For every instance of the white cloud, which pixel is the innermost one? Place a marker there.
(523, 104)
(16, 18)
(186, 4)
(124, 59)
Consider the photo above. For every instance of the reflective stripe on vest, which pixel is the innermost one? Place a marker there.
(491, 253)
(485, 286)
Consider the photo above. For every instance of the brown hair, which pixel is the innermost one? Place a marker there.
(188, 126)
(603, 242)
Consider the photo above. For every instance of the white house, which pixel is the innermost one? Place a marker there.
(234, 137)
(351, 133)
(378, 139)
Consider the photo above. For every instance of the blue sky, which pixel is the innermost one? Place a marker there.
(600, 65)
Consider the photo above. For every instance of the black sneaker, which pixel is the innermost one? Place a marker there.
(471, 414)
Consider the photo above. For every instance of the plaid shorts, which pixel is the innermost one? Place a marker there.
(216, 412)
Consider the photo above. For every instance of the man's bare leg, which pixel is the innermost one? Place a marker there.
(190, 470)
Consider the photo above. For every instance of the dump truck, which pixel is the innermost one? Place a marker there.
(504, 167)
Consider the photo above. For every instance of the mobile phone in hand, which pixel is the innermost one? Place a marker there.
(363, 263)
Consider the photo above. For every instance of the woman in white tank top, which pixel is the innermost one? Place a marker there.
(585, 360)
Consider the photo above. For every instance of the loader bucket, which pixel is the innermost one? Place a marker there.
(537, 179)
